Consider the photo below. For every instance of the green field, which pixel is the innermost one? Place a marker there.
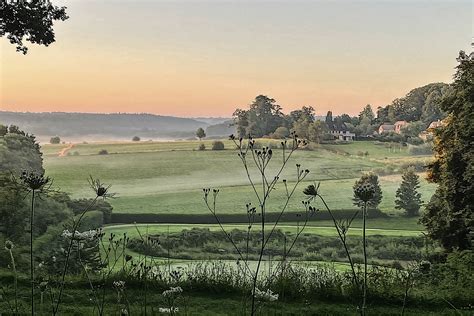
(167, 177)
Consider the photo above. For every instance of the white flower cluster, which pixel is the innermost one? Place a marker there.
(87, 235)
(120, 285)
(172, 291)
(167, 310)
(266, 296)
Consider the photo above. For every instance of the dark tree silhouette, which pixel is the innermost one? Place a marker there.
(30, 20)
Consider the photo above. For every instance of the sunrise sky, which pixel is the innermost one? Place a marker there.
(205, 58)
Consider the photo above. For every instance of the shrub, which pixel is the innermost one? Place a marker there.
(103, 152)
(202, 147)
(136, 139)
(217, 145)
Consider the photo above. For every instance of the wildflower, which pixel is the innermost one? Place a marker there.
(9, 245)
(172, 291)
(88, 235)
(365, 191)
(119, 285)
(266, 296)
(167, 310)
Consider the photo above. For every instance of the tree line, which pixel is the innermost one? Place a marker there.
(420, 107)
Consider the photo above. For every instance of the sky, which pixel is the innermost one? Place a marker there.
(207, 58)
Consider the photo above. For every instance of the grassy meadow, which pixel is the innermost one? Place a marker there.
(168, 177)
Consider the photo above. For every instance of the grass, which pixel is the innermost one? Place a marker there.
(167, 177)
(218, 304)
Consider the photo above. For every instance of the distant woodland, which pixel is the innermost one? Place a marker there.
(110, 125)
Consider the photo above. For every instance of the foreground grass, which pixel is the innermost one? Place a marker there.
(77, 301)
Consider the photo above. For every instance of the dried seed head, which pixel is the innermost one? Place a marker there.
(311, 190)
(33, 180)
(365, 191)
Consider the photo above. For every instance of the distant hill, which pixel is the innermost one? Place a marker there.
(222, 129)
(211, 120)
(115, 126)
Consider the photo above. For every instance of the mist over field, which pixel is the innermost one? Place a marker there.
(78, 127)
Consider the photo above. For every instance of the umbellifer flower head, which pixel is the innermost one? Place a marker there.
(365, 191)
(266, 295)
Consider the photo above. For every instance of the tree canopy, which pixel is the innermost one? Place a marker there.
(420, 104)
(19, 151)
(262, 118)
(31, 21)
(200, 133)
(449, 215)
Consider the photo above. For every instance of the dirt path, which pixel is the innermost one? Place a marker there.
(64, 151)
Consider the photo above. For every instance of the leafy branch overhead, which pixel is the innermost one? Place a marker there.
(31, 21)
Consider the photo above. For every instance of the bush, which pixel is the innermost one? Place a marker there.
(136, 139)
(103, 152)
(217, 145)
(202, 147)
(55, 140)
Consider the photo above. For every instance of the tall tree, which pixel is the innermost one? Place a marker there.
(32, 20)
(373, 179)
(316, 131)
(328, 120)
(367, 113)
(306, 112)
(262, 118)
(200, 133)
(449, 216)
(408, 197)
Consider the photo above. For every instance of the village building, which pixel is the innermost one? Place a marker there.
(341, 132)
(435, 124)
(399, 125)
(428, 133)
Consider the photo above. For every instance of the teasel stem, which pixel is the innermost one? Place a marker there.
(364, 294)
